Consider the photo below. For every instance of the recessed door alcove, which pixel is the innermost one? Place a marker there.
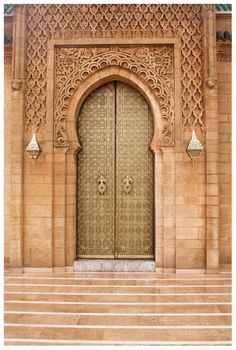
(115, 175)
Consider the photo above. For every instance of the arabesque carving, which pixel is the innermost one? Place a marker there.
(153, 64)
(114, 21)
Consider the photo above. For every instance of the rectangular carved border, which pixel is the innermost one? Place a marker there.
(65, 160)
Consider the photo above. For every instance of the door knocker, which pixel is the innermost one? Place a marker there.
(128, 184)
(102, 184)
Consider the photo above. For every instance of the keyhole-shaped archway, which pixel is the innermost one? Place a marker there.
(84, 90)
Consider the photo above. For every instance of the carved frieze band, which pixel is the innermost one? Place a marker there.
(114, 21)
(153, 64)
(224, 57)
(224, 52)
(7, 54)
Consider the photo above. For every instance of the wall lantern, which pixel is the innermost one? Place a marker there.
(33, 148)
(194, 147)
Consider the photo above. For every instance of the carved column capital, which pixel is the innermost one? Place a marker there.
(18, 9)
(74, 148)
(17, 84)
(211, 83)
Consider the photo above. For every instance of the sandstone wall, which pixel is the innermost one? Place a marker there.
(224, 75)
(7, 159)
(40, 199)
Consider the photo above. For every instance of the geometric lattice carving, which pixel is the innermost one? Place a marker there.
(192, 95)
(153, 64)
(114, 21)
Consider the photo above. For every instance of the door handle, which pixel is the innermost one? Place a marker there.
(102, 184)
(128, 184)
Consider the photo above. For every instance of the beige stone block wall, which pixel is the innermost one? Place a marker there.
(190, 208)
(224, 76)
(224, 103)
(8, 206)
(38, 209)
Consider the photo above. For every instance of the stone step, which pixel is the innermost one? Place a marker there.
(117, 334)
(107, 319)
(118, 298)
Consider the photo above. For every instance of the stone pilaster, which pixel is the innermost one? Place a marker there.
(212, 142)
(17, 147)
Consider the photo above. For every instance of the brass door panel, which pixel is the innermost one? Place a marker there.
(96, 131)
(134, 175)
(115, 175)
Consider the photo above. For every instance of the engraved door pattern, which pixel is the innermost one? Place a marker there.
(115, 205)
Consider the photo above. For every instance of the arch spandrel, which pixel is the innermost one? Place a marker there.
(104, 76)
(151, 80)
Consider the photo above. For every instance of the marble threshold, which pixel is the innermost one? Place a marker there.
(101, 265)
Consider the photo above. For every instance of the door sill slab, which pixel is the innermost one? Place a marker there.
(108, 265)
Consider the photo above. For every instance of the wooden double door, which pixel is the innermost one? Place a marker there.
(115, 182)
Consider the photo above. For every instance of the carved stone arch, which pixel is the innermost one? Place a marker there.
(76, 66)
(76, 78)
(103, 76)
(84, 89)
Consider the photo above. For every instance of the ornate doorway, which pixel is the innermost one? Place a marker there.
(115, 182)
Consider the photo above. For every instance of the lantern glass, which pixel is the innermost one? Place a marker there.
(33, 148)
(195, 147)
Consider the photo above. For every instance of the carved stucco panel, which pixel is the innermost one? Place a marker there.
(153, 64)
(47, 21)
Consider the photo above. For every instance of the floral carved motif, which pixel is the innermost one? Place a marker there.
(153, 64)
(114, 21)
